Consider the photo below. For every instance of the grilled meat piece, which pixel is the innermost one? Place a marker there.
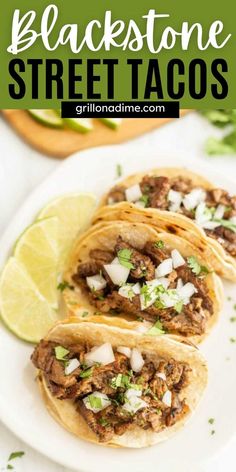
(116, 195)
(157, 189)
(143, 265)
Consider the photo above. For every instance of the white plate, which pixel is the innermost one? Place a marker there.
(21, 408)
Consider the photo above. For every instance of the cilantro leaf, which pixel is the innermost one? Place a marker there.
(16, 454)
(159, 244)
(195, 267)
(119, 170)
(124, 256)
(179, 306)
(227, 224)
(95, 402)
(61, 353)
(145, 199)
(103, 422)
(157, 329)
(63, 285)
(86, 373)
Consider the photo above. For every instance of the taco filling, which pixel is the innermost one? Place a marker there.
(214, 210)
(156, 284)
(115, 390)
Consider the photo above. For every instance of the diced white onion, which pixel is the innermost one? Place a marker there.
(134, 404)
(71, 366)
(210, 224)
(96, 282)
(115, 261)
(167, 398)
(105, 402)
(124, 350)
(233, 220)
(146, 302)
(187, 291)
(140, 204)
(175, 199)
(132, 392)
(136, 360)
(177, 259)
(102, 354)
(156, 282)
(179, 284)
(161, 375)
(219, 213)
(169, 299)
(164, 268)
(133, 193)
(117, 273)
(126, 291)
(192, 199)
(137, 288)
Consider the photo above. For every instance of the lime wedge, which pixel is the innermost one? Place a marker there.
(37, 250)
(47, 118)
(23, 309)
(74, 212)
(82, 125)
(113, 123)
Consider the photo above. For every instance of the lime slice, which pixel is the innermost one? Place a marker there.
(113, 123)
(47, 118)
(23, 309)
(38, 251)
(74, 212)
(82, 125)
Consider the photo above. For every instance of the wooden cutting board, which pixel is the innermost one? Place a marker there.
(63, 142)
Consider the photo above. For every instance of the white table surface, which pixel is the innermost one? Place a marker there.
(22, 169)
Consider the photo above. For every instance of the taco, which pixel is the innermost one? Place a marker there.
(175, 199)
(118, 388)
(130, 271)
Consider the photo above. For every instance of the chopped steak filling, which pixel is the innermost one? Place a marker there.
(187, 317)
(155, 190)
(117, 382)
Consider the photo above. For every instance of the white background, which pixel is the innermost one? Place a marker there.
(22, 169)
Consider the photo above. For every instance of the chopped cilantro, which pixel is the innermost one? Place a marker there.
(121, 380)
(84, 314)
(212, 432)
(227, 224)
(195, 267)
(233, 319)
(222, 119)
(211, 420)
(232, 340)
(179, 306)
(157, 329)
(140, 318)
(146, 294)
(15, 455)
(63, 285)
(159, 244)
(159, 304)
(95, 402)
(229, 298)
(119, 170)
(124, 256)
(103, 422)
(234, 307)
(144, 199)
(10, 467)
(61, 353)
(86, 373)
